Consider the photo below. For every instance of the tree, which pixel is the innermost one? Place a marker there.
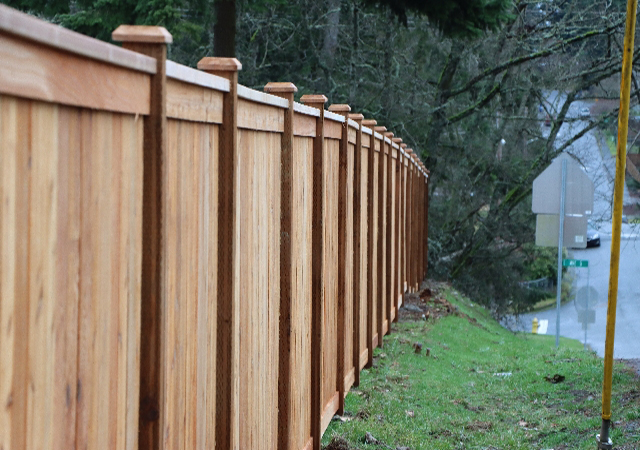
(456, 18)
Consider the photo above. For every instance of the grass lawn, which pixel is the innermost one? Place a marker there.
(483, 387)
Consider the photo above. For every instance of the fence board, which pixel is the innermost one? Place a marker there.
(259, 253)
(76, 178)
(330, 263)
(347, 287)
(301, 248)
(372, 256)
(191, 279)
(364, 256)
(34, 71)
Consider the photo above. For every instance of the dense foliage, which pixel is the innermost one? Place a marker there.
(473, 108)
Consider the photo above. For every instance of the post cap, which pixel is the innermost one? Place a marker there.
(369, 122)
(313, 98)
(388, 134)
(339, 108)
(356, 116)
(403, 145)
(397, 140)
(409, 151)
(142, 33)
(215, 64)
(380, 129)
(280, 87)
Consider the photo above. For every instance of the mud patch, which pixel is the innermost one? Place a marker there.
(429, 304)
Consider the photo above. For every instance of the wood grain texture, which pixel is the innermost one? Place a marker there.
(30, 70)
(190, 274)
(304, 125)
(258, 116)
(301, 311)
(372, 254)
(330, 271)
(259, 296)
(70, 250)
(47, 34)
(381, 298)
(192, 102)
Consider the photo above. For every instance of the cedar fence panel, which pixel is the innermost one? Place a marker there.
(186, 263)
(70, 237)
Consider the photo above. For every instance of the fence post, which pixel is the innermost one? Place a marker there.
(228, 324)
(388, 214)
(317, 289)
(410, 203)
(151, 41)
(396, 236)
(370, 244)
(343, 236)
(286, 91)
(426, 218)
(403, 222)
(357, 249)
(381, 259)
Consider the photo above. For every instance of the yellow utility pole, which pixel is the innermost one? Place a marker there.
(603, 440)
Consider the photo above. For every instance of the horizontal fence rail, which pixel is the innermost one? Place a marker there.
(187, 263)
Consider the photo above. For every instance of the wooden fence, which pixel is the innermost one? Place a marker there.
(186, 263)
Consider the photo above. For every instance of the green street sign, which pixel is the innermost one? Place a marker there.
(575, 263)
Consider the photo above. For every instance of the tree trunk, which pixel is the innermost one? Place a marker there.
(224, 31)
(330, 43)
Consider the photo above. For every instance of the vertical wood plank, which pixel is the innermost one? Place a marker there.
(42, 240)
(15, 168)
(67, 264)
(212, 275)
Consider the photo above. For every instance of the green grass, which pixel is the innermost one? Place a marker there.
(453, 400)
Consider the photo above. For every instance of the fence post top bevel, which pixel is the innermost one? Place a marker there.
(340, 108)
(357, 117)
(388, 134)
(380, 129)
(144, 34)
(403, 145)
(369, 122)
(280, 87)
(311, 99)
(216, 64)
(397, 140)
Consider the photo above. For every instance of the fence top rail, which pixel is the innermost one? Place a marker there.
(307, 110)
(261, 97)
(27, 27)
(188, 75)
(377, 135)
(353, 124)
(333, 116)
(367, 130)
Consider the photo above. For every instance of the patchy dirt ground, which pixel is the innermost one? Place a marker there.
(633, 364)
(429, 303)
